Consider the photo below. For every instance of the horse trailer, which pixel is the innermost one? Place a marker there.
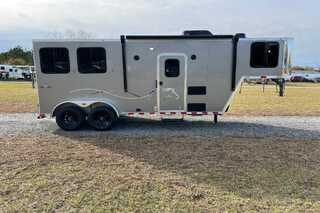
(97, 81)
(15, 72)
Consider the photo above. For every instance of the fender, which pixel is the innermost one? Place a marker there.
(85, 105)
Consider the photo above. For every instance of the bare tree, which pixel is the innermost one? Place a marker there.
(55, 35)
(70, 34)
(84, 35)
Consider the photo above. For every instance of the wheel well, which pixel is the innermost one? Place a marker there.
(86, 109)
(101, 104)
(64, 105)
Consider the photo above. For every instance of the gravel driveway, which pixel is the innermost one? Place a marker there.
(306, 128)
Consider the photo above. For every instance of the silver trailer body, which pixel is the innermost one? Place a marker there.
(156, 73)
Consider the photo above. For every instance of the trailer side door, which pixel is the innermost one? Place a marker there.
(171, 82)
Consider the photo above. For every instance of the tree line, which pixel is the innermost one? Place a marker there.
(17, 56)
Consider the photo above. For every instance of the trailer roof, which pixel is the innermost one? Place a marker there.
(160, 37)
(141, 37)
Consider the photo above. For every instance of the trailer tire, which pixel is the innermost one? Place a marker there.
(70, 118)
(101, 118)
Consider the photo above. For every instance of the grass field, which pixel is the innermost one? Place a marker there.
(300, 99)
(66, 172)
(58, 171)
(16, 97)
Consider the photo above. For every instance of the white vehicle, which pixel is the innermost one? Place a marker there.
(26, 71)
(97, 81)
(16, 72)
(4, 71)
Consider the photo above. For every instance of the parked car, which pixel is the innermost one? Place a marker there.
(300, 79)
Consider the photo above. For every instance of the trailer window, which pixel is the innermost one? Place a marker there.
(54, 60)
(172, 68)
(264, 54)
(2, 68)
(92, 60)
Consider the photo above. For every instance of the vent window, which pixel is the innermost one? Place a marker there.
(197, 90)
(197, 107)
(264, 54)
(172, 68)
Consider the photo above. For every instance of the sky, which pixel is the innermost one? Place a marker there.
(24, 20)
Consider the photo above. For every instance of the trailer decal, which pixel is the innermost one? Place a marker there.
(97, 91)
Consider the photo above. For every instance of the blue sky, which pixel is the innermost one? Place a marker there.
(23, 20)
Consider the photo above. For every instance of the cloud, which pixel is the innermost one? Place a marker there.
(22, 20)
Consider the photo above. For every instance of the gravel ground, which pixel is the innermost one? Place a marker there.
(305, 128)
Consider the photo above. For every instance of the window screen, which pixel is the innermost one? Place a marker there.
(92, 60)
(264, 54)
(54, 60)
(172, 68)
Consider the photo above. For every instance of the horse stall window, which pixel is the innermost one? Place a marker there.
(54, 60)
(92, 60)
(264, 54)
(172, 68)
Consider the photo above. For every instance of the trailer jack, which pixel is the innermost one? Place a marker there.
(215, 120)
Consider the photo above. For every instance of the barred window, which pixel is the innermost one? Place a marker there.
(92, 60)
(54, 60)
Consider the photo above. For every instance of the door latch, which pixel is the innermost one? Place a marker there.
(160, 83)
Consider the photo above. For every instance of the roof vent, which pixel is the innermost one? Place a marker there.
(195, 33)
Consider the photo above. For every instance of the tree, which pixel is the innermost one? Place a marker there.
(17, 56)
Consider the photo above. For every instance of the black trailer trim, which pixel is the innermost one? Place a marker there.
(235, 41)
(124, 62)
(175, 37)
